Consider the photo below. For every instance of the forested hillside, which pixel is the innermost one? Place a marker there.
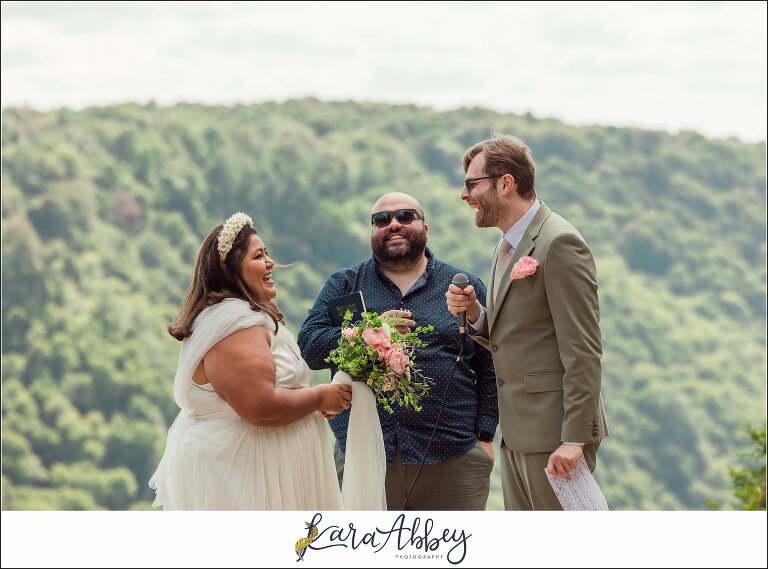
(103, 211)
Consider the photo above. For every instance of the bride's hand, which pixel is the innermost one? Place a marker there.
(334, 398)
(330, 416)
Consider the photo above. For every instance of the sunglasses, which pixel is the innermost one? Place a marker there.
(403, 216)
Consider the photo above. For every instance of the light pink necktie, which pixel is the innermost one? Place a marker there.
(502, 264)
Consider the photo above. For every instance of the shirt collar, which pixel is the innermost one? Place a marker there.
(515, 233)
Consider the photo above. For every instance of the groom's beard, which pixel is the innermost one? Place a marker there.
(400, 255)
(490, 209)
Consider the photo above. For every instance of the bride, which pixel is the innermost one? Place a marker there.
(250, 434)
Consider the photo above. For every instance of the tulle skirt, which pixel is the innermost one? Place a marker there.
(225, 463)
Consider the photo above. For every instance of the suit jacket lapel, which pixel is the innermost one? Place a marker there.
(526, 245)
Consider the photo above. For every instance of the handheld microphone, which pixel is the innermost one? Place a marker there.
(462, 281)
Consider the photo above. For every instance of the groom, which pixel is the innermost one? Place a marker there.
(541, 325)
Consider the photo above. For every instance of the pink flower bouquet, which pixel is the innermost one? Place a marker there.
(374, 351)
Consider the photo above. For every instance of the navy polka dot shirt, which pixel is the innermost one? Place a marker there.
(471, 404)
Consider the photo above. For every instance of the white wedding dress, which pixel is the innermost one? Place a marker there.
(215, 460)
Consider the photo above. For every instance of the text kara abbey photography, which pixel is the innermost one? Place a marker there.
(416, 536)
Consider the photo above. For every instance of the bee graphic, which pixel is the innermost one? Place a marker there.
(303, 543)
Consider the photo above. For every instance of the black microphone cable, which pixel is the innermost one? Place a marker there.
(437, 421)
(462, 281)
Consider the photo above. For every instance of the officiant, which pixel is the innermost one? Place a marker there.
(403, 278)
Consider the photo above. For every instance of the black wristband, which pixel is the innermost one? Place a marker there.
(484, 436)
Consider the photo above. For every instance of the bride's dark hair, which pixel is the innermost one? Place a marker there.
(215, 280)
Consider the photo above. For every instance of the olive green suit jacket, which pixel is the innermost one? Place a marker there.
(544, 333)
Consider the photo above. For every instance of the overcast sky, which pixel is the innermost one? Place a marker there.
(657, 65)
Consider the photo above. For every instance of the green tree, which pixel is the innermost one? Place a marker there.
(749, 482)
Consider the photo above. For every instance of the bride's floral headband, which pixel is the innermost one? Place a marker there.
(231, 228)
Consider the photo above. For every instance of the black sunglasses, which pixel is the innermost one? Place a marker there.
(403, 216)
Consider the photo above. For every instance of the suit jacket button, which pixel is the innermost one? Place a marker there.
(494, 347)
(500, 382)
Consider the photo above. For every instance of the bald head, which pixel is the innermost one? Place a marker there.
(399, 246)
(397, 200)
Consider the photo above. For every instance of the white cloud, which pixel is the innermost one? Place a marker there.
(659, 65)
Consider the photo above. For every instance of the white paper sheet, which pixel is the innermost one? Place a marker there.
(581, 492)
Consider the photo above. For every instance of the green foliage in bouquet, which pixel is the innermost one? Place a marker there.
(374, 351)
